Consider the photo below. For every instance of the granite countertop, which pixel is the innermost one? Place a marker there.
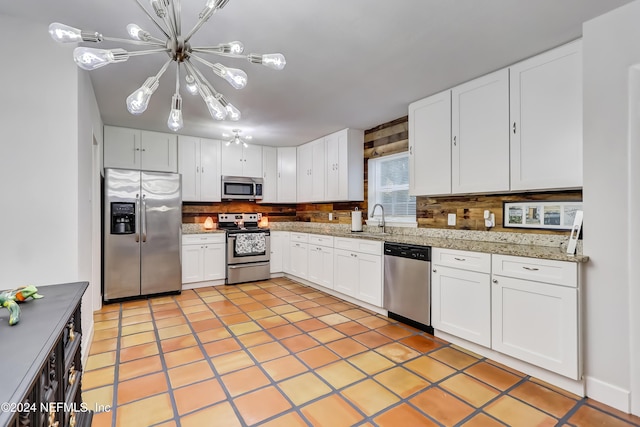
(198, 229)
(540, 246)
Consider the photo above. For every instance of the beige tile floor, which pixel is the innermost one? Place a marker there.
(278, 353)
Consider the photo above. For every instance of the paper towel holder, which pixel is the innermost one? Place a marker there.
(356, 220)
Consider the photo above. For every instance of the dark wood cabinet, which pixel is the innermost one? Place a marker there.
(42, 363)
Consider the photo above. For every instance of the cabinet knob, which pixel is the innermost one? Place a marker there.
(435, 271)
(454, 141)
(495, 281)
(514, 128)
(72, 375)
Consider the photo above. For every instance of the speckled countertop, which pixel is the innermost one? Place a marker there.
(541, 246)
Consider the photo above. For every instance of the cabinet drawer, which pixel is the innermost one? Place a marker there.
(365, 246)
(196, 239)
(320, 240)
(298, 237)
(465, 260)
(539, 270)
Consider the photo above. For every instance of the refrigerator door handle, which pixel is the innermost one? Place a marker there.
(144, 218)
(137, 217)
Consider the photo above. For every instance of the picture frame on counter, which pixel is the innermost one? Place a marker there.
(552, 215)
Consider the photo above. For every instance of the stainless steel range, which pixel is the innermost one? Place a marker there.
(248, 248)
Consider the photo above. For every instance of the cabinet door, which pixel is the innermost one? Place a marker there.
(232, 160)
(430, 145)
(480, 121)
(210, 183)
(192, 263)
(277, 241)
(546, 120)
(346, 272)
(286, 252)
(189, 167)
(214, 261)
(287, 174)
(299, 259)
(318, 166)
(252, 161)
(332, 152)
(269, 175)
(122, 148)
(369, 279)
(461, 303)
(159, 152)
(536, 322)
(321, 265)
(305, 164)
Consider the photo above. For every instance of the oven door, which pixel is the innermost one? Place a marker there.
(246, 247)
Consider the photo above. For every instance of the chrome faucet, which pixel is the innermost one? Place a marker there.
(373, 211)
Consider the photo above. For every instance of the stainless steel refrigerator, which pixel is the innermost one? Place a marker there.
(141, 233)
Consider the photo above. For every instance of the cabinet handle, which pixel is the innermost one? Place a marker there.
(435, 271)
(459, 259)
(72, 333)
(514, 128)
(51, 420)
(72, 420)
(144, 149)
(197, 169)
(454, 141)
(136, 149)
(531, 268)
(495, 281)
(410, 149)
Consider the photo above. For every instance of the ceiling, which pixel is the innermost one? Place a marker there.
(355, 63)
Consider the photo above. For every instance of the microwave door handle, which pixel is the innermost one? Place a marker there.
(144, 218)
(137, 217)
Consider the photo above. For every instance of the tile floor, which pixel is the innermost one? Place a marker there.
(278, 353)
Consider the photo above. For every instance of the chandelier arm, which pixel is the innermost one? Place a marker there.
(152, 18)
(163, 69)
(148, 52)
(204, 17)
(176, 8)
(199, 77)
(177, 78)
(155, 42)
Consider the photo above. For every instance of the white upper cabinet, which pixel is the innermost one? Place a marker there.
(546, 120)
(345, 166)
(137, 149)
(199, 165)
(430, 145)
(311, 171)
(286, 174)
(480, 120)
(242, 161)
(269, 175)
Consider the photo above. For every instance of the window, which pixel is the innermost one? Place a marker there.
(389, 186)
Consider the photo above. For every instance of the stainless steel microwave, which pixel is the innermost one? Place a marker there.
(241, 188)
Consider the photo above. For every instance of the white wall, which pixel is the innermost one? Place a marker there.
(46, 120)
(611, 45)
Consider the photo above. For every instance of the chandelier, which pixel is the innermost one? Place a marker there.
(236, 138)
(179, 49)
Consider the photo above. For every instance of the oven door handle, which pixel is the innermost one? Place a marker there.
(251, 264)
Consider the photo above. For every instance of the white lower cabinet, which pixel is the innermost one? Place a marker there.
(321, 260)
(461, 294)
(299, 254)
(357, 267)
(203, 257)
(279, 242)
(535, 318)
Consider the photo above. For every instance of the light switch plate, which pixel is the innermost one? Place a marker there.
(330, 216)
(451, 219)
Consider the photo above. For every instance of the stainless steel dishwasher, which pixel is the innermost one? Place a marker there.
(407, 284)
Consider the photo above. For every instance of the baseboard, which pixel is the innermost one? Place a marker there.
(196, 285)
(609, 394)
(573, 386)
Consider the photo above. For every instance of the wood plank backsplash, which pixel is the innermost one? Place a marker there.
(431, 212)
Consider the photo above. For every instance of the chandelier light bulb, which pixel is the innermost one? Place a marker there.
(89, 58)
(275, 61)
(137, 33)
(192, 86)
(158, 8)
(216, 109)
(175, 122)
(138, 101)
(235, 76)
(64, 33)
(234, 47)
(233, 113)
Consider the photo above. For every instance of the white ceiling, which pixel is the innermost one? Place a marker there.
(350, 63)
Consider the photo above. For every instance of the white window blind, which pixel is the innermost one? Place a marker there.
(389, 186)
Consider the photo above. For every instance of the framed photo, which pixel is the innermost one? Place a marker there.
(541, 214)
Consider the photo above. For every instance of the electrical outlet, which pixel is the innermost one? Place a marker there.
(259, 216)
(451, 219)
